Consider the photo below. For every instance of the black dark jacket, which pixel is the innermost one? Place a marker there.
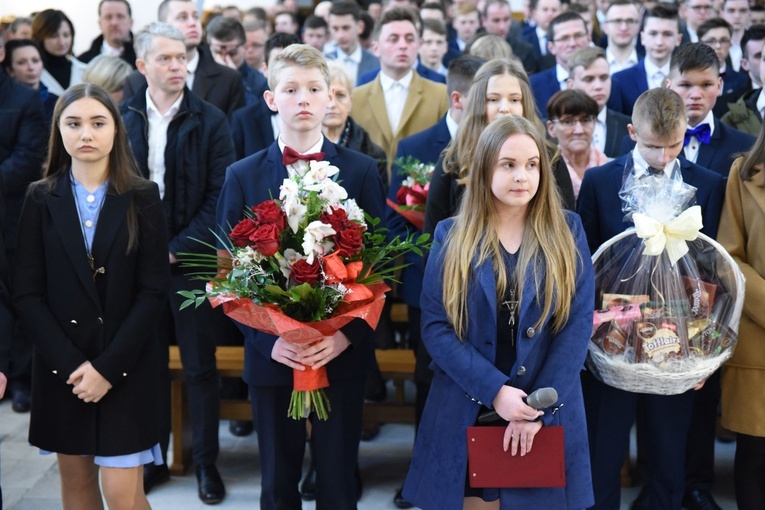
(197, 153)
(6, 317)
(128, 52)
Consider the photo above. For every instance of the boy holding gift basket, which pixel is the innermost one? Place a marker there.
(299, 91)
(658, 128)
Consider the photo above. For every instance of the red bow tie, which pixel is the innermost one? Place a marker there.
(290, 156)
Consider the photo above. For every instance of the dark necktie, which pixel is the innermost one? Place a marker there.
(290, 156)
(703, 132)
(656, 172)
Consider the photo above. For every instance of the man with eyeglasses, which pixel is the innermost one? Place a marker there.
(746, 113)
(541, 13)
(255, 44)
(621, 26)
(693, 14)
(736, 12)
(226, 39)
(566, 34)
(716, 33)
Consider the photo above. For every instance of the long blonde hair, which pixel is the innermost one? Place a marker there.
(547, 248)
(460, 153)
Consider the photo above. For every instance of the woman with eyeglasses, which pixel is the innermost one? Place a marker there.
(572, 115)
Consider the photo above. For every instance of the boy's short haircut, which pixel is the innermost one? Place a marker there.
(398, 14)
(369, 25)
(346, 9)
(461, 72)
(580, 9)
(435, 6)
(434, 26)
(663, 11)
(300, 55)
(563, 17)
(713, 23)
(753, 33)
(489, 3)
(258, 13)
(165, 6)
(291, 14)
(225, 29)
(314, 22)
(757, 8)
(585, 57)
(661, 111)
(533, 5)
(253, 25)
(693, 57)
(144, 39)
(622, 3)
(280, 40)
(465, 9)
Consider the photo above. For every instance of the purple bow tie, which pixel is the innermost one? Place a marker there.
(703, 132)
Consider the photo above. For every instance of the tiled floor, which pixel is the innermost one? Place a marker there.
(30, 481)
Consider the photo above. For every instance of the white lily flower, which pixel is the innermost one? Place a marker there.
(313, 239)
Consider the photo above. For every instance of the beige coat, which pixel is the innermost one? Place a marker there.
(742, 233)
(425, 104)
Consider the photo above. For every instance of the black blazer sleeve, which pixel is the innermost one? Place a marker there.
(439, 204)
(563, 181)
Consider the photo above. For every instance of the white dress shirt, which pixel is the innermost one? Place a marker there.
(451, 124)
(654, 74)
(542, 36)
(561, 74)
(350, 62)
(158, 124)
(736, 54)
(300, 167)
(191, 69)
(614, 66)
(599, 135)
(395, 93)
(640, 165)
(107, 49)
(761, 103)
(692, 149)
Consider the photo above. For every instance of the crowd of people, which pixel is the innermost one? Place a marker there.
(117, 161)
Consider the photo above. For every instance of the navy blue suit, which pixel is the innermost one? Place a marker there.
(611, 412)
(423, 71)
(530, 36)
(251, 129)
(616, 130)
(626, 87)
(281, 439)
(735, 84)
(544, 85)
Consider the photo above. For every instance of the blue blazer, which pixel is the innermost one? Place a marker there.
(616, 130)
(531, 37)
(719, 153)
(544, 85)
(600, 207)
(464, 370)
(425, 146)
(251, 129)
(369, 62)
(452, 52)
(423, 71)
(626, 87)
(258, 178)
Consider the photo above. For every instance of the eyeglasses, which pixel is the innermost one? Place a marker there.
(570, 122)
(717, 42)
(568, 38)
(620, 21)
(701, 8)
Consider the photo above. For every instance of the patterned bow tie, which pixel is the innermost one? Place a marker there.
(290, 156)
(703, 132)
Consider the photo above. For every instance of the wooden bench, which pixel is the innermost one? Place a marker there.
(397, 365)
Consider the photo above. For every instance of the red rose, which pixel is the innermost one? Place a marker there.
(266, 239)
(401, 194)
(240, 236)
(349, 242)
(303, 272)
(337, 218)
(270, 213)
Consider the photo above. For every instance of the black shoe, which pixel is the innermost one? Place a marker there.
(154, 475)
(359, 484)
(399, 500)
(211, 489)
(700, 500)
(308, 487)
(21, 397)
(241, 428)
(641, 502)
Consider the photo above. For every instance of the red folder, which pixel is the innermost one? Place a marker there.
(491, 467)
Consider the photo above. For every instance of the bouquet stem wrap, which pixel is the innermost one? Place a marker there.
(363, 302)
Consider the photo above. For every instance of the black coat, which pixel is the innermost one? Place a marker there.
(216, 84)
(197, 153)
(22, 147)
(72, 318)
(128, 52)
(6, 317)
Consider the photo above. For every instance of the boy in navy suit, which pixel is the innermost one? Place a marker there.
(299, 81)
(717, 33)
(658, 128)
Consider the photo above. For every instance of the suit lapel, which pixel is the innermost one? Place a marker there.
(488, 282)
(707, 150)
(413, 99)
(376, 100)
(110, 219)
(63, 211)
(205, 75)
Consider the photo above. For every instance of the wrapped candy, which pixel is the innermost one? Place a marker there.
(670, 297)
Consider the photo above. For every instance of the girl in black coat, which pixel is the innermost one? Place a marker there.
(90, 276)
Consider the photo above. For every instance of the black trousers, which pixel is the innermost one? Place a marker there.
(700, 454)
(281, 441)
(610, 415)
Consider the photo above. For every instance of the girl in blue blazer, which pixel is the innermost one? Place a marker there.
(509, 310)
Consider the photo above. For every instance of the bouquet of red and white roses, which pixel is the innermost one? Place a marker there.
(411, 196)
(301, 267)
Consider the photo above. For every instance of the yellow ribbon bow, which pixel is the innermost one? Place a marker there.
(671, 236)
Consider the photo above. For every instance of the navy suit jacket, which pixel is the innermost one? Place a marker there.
(257, 178)
(369, 62)
(425, 146)
(600, 207)
(719, 153)
(544, 85)
(616, 130)
(251, 129)
(735, 84)
(423, 71)
(531, 37)
(626, 87)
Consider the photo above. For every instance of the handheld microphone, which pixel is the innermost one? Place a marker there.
(538, 399)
